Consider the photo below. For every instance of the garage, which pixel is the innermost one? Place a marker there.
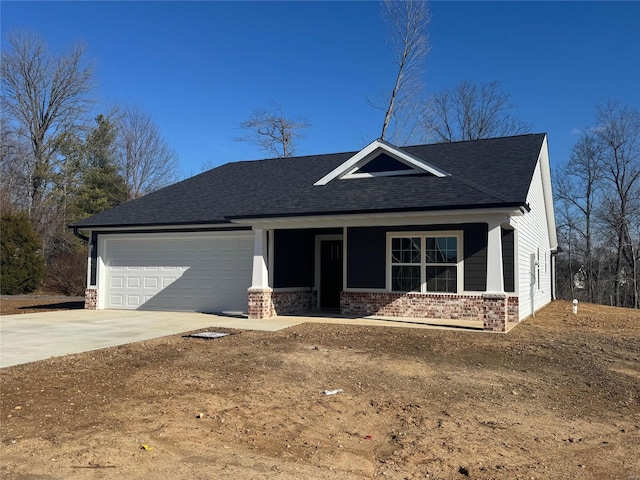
(201, 272)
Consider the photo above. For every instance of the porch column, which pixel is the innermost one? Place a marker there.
(495, 280)
(260, 303)
(495, 299)
(260, 276)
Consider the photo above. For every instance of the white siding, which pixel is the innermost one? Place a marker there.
(532, 237)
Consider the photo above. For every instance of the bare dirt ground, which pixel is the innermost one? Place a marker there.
(16, 304)
(557, 397)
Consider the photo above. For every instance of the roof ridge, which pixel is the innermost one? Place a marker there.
(475, 140)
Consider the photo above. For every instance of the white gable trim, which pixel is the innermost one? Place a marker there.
(545, 171)
(347, 169)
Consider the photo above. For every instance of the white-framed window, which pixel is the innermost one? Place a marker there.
(425, 262)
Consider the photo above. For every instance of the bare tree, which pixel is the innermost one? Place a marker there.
(471, 112)
(43, 95)
(618, 130)
(407, 21)
(144, 157)
(578, 188)
(273, 132)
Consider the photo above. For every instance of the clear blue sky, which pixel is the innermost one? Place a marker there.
(200, 68)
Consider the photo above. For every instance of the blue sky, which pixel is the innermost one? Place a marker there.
(201, 68)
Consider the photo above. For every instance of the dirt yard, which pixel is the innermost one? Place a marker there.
(14, 305)
(557, 397)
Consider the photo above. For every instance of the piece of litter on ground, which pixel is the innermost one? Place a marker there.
(144, 446)
(207, 335)
(368, 437)
(332, 392)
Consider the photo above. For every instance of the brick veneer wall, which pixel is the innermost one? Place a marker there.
(513, 310)
(286, 303)
(91, 299)
(265, 303)
(493, 310)
(415, 305)
(260, 303)
(495, 313)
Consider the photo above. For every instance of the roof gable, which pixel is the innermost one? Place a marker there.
(381, 159)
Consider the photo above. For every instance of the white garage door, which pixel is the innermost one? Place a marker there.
(183, 272)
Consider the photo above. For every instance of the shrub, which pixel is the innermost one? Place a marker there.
(68, 272)
(22, 265)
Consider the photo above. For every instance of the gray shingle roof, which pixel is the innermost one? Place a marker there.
(484, 174)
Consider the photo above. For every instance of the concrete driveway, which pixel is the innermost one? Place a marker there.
(37, 336)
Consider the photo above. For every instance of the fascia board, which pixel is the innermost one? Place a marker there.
(547, 190)
(152, 228)
(501, 215)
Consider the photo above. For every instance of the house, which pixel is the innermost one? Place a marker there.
(461, 230)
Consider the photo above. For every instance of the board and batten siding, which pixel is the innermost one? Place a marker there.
(532, 238)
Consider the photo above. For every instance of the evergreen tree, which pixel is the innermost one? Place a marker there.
(100, 185)
(22, 262)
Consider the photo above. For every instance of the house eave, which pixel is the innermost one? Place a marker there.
(500, 213)
(185, 226)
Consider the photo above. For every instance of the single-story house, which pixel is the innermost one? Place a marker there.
(461, 230)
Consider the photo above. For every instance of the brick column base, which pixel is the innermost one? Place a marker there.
(91, 299)
(495, 312)
(260, 303)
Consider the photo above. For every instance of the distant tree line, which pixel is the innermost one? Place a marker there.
(597, 193)
(57, 165)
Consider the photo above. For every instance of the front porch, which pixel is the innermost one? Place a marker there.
(350, 270)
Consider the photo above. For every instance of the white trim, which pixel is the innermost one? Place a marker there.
(392, 173)
(369, 152)
(260, 275)
(495, 260)
(270, 253)
(90, 248)
(344, 258)
(321, 238)
(367, 290)
(423, 235)
(385, 219)
(547, 190)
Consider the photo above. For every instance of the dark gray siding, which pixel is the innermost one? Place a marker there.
(366, 257)
(293, 258)
(475, 257)
(508, 260)
(366, 254)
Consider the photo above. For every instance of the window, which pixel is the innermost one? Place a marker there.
(425, 262)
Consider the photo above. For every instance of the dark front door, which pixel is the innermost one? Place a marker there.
(330, 273)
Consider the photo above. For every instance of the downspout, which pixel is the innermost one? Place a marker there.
(554, 253)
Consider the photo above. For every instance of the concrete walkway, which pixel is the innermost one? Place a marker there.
(37, 336)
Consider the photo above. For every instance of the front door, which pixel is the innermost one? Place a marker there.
(330, 273)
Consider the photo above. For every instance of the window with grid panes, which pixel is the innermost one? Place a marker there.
(425, 263)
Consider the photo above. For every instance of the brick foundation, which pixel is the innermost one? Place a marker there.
(513, 310)
(492, 310)
(413, 305)
(265, 303)
(260, 303)
(495, 313)
(287, 303)
(91, 299)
